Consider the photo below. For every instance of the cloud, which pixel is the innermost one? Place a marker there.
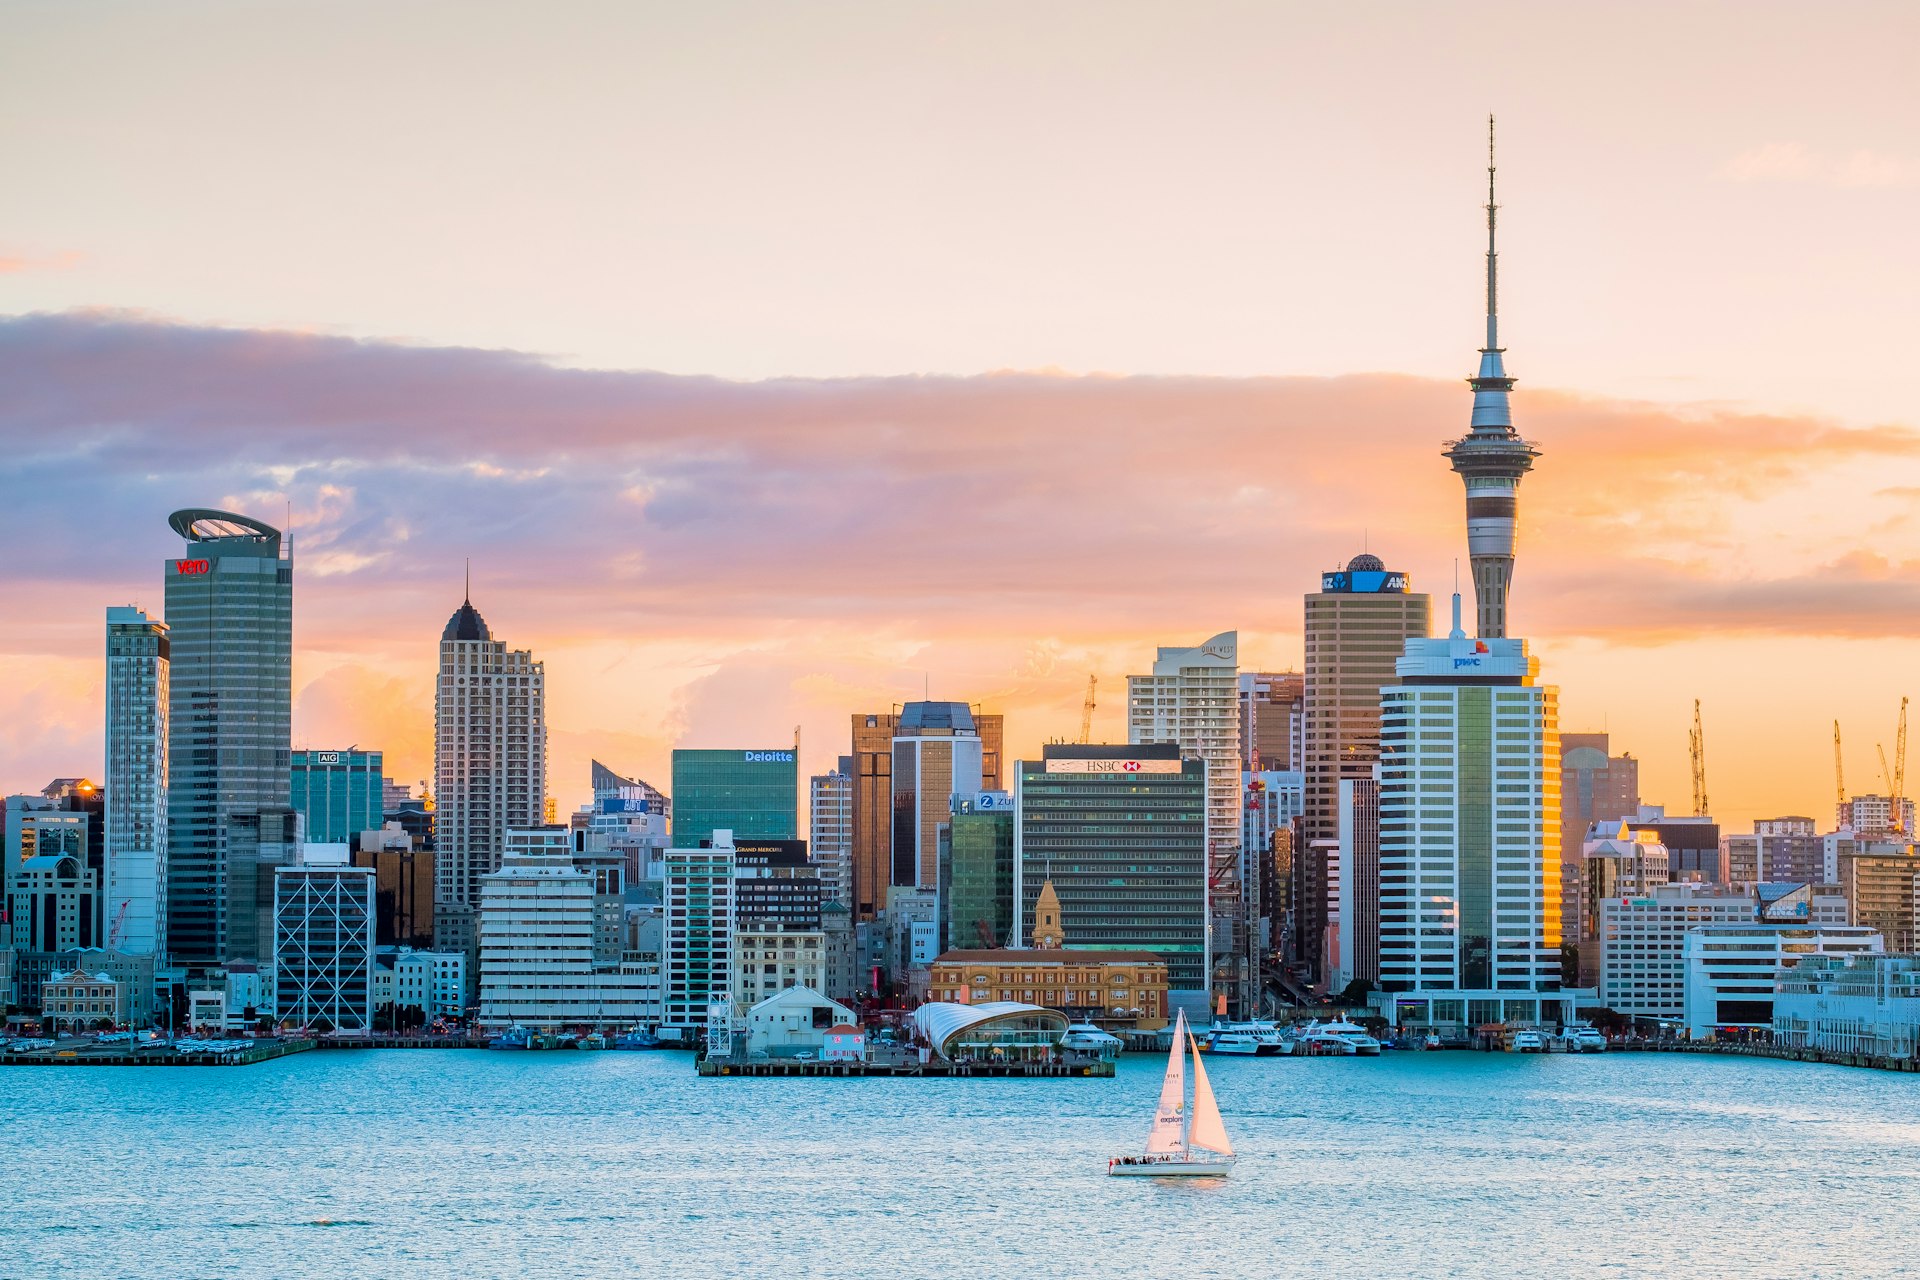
(14, 262)
(1795, 162)
(697, 558)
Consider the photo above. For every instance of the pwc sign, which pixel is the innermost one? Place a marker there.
(192, 566)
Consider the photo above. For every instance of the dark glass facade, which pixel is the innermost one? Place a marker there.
(1122, 833)
(754, 794)
(339, 793)
(980, 891)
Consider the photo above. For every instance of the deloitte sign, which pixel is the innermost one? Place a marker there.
(768, 757)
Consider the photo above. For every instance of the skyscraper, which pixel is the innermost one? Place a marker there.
(937, 754)
(229, 713)
(1272, 720)
(753, 793)
(1122, 834)
(339, 793)
(1470, 833)
(490, 767)
(1357, 626)
(873, 798)
(830, 830)
(1192, 699)
(1594, 787)
(1491, 458)
(136, 817)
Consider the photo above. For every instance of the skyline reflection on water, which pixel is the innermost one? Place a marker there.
(476, 1164)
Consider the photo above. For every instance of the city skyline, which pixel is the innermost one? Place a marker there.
(706, 562)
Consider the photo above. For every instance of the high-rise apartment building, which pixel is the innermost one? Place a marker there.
(1122, 833)
(135, 886)
(753, 793)
(937, 754)
(1273, 720)
(490, 767)
(1883, 893)
(339, 793)
(229, 713)
(1357, 626)
(1470, 829)
(700, 922)
(1192, 700)
(1876, 815)
(830, 830)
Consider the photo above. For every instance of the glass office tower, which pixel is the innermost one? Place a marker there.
(754, 794)
(339, 792)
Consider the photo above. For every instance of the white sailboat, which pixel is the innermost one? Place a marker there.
(1182, 1143)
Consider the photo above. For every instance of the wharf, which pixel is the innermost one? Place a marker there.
(1830, 1057)
(792, 1067)
(400, 1042)
(155, 1055)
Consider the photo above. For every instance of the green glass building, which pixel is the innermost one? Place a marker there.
(979, 888)
(1122, 832)
(339, 792)
(754, 794)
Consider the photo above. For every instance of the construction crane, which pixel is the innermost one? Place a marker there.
(1839, 776)
(1886, 773)
(1086, 711)
(1698, 742)
(119, 925)
(1900, 772)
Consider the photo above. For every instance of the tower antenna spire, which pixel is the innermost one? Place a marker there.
(1493, 258)
(467, 592)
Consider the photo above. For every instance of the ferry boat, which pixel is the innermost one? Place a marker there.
(1182, 1142)
(1084, 1037)
(1247, 1039)
(512, 1038)
(1583, 1037)
(636, 1039)
(1339, 1038)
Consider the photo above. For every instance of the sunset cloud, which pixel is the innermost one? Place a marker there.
(705, 559)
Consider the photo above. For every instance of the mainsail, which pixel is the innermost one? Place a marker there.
(1205, 1128)
(1167, 1135)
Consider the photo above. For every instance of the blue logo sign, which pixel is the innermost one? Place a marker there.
(769, 757)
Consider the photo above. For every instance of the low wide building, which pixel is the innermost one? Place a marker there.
(795, 1021)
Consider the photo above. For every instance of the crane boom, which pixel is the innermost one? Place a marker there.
(1839, 777)
(1886, 773)
(1698, 741)
(1900, 772)
(1086, 711)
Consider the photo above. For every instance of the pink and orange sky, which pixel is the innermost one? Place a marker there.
(774, 362)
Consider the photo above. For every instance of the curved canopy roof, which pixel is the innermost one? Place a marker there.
(204, 524)
(943, 1023)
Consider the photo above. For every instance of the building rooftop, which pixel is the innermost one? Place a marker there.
(466, 624)
(1050, 955)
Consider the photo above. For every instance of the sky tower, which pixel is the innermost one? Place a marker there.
(1491, 458)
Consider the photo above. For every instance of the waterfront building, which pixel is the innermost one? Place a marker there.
(31, 970)
(434, 982)
(937, 753)
(544, 959)
(1126, 989)
(978, 886)
(1639, 938)
(1595, 787)
(490, 766)
(1491, 459)
(830, 829)
(999, 1031)
(1192, 701)
(1883, 893)
(338, 793)
(1865, 1002)
(1470, 831)
(795, 1020)
(403, 885)
(1121, 832)
(1880, 816)
(229, 615)
(698, 961)
(1732, 970)
(752, 793)
(771, 956)
(134, 890)
(1357, 627)
(1273, 720)
(323, 943)
(79, 1001)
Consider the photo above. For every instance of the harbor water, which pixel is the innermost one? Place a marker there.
(477, 1164)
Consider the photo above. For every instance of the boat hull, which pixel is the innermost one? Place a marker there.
(1171, 1169)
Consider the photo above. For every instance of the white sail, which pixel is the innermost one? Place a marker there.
(1167, 1135)
(1205, 1128)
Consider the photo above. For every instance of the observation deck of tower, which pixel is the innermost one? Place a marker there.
(1491, 458)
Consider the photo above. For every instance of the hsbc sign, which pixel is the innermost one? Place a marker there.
(1113, 766)
(193, 566)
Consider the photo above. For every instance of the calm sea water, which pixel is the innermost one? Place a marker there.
(476, 1164)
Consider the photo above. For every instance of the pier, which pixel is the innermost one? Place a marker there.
(937, 1069)
(1829, 1057)
(155, 1054)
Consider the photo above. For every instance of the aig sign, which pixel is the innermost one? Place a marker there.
(192, 566)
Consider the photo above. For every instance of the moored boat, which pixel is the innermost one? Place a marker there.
(1583, 1037)
(1084, 1037)
(1182, 1142)
(1338, 1038)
